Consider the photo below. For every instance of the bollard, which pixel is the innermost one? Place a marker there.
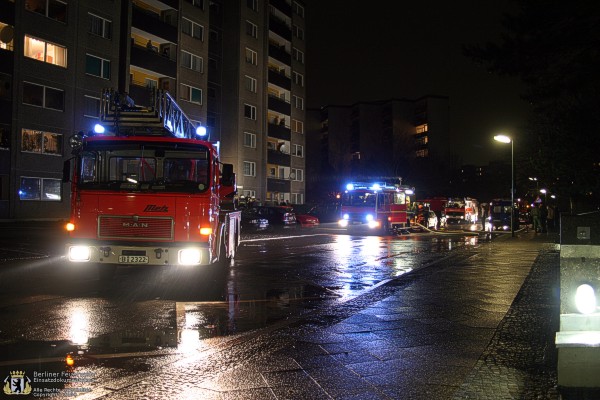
(578, 341)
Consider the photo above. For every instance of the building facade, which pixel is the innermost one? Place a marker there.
(393, 138)
(215, 57)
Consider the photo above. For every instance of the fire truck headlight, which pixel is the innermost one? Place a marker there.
(190, 256)
(343, 223)
(373, 224)
(585, 299)
(99, 129)
(79, 253)
(369, 218)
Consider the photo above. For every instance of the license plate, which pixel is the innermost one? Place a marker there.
(133, 259)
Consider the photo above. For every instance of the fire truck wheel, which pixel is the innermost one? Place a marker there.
(106, 272)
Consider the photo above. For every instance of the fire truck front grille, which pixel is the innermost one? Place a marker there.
(127, 227)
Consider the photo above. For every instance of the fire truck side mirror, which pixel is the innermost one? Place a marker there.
(66, 173)
(227, 175)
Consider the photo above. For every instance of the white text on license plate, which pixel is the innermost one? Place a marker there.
(133, 259)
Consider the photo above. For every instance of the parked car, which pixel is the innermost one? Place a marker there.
(278, 215)
(252, 221)
(305, 215)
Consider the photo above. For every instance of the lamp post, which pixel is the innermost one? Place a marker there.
(507, 139)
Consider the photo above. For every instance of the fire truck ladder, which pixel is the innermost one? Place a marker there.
(162, 118)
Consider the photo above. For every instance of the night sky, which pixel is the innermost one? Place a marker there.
(377, 50)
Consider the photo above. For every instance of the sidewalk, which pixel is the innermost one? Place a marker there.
(477, 325)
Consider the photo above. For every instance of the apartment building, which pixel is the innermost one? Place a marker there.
(387, 138)
(263, 99)
(214, 57)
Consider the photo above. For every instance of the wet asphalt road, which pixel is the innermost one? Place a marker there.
(48, 305)
(49, 309)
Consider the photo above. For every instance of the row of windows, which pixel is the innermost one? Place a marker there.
(250, 113)
(295, 174)
(54, 9)
(95, 66)
(250, 141)
(54, 99)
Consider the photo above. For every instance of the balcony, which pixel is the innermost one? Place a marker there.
(279, 53)
(278, 158)
(279, 105)
(279, 131)
(280, 27)
(153, 61)
(279, 79)
(278, 185)
(7, 58)
(282, 6)
(151, 23)
(7, 12)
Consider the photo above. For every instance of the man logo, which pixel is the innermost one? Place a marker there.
(17, 383)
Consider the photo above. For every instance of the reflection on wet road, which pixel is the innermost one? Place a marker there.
(49, 309)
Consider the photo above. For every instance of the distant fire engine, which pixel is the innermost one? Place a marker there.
(147, 191)
(461, 211)
(378, 205)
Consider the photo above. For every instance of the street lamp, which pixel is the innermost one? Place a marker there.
(507, 139)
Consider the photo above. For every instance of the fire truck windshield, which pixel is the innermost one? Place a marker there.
(148, 169)
(359, 199)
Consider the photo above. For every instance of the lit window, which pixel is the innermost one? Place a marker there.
(46, 52)
(422, 128)
(41, 142)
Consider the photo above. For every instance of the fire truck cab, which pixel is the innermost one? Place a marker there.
(146, 190)
(381, 206)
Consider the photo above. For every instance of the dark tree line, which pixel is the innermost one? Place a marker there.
(553, 46)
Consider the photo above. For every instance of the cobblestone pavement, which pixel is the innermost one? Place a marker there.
(479, 324)
(520, 361)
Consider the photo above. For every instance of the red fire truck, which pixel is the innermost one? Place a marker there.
(461, 212)
(147, 191)
(379, 205)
